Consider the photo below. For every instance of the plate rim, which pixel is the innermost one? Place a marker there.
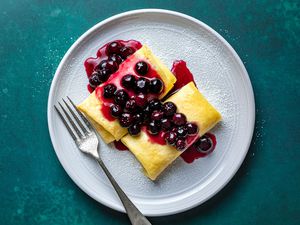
(249, 92)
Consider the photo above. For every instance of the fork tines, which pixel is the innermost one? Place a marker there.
(73, 120)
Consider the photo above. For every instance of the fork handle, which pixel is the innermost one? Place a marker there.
(135, 216)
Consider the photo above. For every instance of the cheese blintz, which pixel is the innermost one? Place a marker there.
(98, 108)
(152, 151)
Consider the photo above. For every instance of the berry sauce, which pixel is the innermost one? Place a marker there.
(189, 155)
(182, 74)
(115, 78)
(192, 153)
(120, 146)
(106, 103)
(159, 138)
(92, 63)
(90, 89)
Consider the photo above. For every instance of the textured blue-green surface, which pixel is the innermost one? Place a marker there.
(34, 36)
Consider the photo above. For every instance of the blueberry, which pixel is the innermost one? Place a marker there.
(121, 97)
(126, 120)
(180, 144)
(131, 105)
(153, 127)
(116, 110)
(192, 128)
(204, 144)
(138, 117)
(169, 108)
(125, 52)
(156, 86)
(134, 129)
(142, 85)
(108, 65)
(103, 75)
(94, 80)
(109, 90)
(179, 119)
(182, 131)
(116, 58)
(128, 81)
(165, 124)
(141, 100)
(174, 129)
(141, 68)
(147, 114)
(155, 104)
(157, 115)
(171, 137)
(114, 47)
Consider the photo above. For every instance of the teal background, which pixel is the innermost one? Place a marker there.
(34, 36)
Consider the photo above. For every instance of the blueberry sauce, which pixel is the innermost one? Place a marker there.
(157, 139)
(182, 74)
(120, 146)
(106, 103)
(160, 138)
(193, 152)
(189, 155)
(115, 51)
(117, 78)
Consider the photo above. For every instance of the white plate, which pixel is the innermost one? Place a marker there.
(219, 74)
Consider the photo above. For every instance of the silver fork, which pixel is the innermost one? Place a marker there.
(87, 141)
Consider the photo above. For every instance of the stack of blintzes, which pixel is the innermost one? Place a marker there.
(131, 106)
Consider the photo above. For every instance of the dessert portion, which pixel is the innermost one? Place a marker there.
(137, 102)
(114, 103)
(100, 68)
(156, 152)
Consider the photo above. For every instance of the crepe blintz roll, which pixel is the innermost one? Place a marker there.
(96, 107)
(156, 157)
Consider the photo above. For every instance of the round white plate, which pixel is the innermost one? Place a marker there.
(221, 77)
